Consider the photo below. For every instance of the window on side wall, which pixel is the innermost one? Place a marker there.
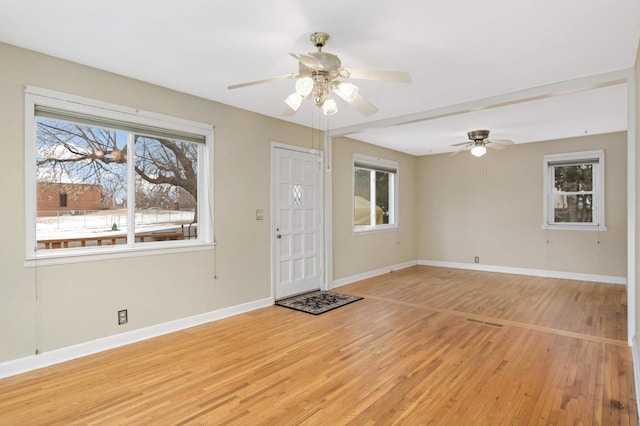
(574, 191)
(104, 179)
(375, 193)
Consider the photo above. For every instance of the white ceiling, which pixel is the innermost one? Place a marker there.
(461, 54)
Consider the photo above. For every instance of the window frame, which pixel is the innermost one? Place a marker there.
(377, 164)
(595, 157)
(74, 104)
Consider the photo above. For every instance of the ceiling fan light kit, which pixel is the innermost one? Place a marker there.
(478, 143)
(316, 80)
(294, 101)
(304, 86)
(478, 150)
(347, 91)
(329, 107)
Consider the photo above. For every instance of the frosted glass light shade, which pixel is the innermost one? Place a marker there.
(346, 91)
(304, 86)
(329, 107)
(294, 101)
(478, 150)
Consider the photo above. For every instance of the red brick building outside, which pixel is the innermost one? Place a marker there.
(57, 197)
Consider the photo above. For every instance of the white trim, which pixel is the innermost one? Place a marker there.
(66, 101)
(37, 96)
(46, 359)
(576, 227)
(30, 179)
(374, 162)
(373, 229)
(608, 279)
(381, 271)
(636, 368)
(527, 95)
(114, 252)
(548, 163)
(295, 148)
(328, 213)
(632, 212)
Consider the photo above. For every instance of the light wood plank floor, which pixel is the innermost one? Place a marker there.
(426, 346)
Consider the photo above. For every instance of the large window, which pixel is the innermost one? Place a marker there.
(375, 193)
(574, 191)
(107, 179)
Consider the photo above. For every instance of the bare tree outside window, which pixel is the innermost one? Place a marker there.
(79, 157)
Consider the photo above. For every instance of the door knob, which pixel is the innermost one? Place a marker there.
(278, 236)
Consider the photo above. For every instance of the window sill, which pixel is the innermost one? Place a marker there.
(71, 256)
(567, 227)
(370, 229)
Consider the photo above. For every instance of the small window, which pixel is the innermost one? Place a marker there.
(574, 191)
(63, 199)
(375, 193)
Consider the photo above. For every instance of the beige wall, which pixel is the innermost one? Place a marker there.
(77, 303)
(365, 252)
(492, 208)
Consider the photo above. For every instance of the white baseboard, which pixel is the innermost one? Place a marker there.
(45, 359)
(636, 369)
(609, 279)
(348, 280)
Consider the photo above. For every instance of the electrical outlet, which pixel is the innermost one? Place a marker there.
(259, 214)
(476, 259)
(123, 318)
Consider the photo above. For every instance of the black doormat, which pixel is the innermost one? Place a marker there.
(318, 302)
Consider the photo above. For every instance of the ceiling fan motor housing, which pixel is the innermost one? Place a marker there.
(478, 135)
(330, 65)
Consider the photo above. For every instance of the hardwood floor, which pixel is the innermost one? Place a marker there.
(426, 346)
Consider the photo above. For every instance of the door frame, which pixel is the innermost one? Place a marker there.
(320, 209)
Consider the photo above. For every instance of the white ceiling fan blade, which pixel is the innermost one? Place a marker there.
(266, 80)
(501, 141)
(308, 61)
(463, 143)
(394, 76)
(363, 106)
(467, 147)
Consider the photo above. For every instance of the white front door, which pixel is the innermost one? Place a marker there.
(296, 221)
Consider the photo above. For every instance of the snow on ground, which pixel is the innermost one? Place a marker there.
(100, 223)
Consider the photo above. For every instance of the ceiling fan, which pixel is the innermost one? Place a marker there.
(478, 143)
(318, 79)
